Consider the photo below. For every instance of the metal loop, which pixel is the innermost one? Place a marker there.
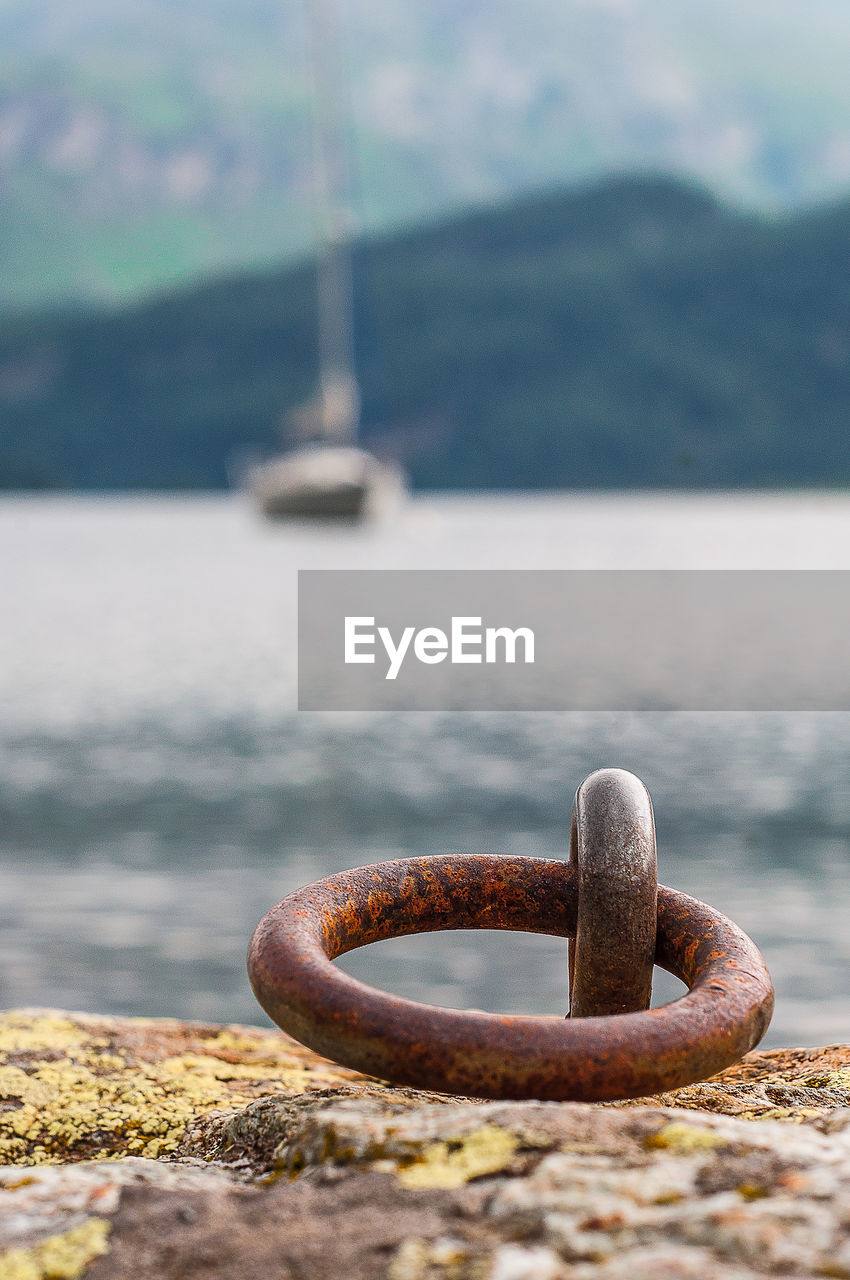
(612, 846)
(725, 1013)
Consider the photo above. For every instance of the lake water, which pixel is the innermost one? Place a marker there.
(158, 790)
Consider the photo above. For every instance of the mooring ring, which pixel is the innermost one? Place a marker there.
(724, 1014)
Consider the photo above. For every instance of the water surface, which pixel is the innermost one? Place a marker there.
(158, 790)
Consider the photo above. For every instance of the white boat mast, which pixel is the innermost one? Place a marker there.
(335, 413)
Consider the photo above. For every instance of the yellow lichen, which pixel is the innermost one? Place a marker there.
(61, 1257)
(206, 1070)
(789, 1115)
(99, 1088)
(752, 1191)
(452, 1163)
(234, 1041)
(27, 1032)
(839, 1079)
(683, 1139)
(411, 1261)
(416, 1258)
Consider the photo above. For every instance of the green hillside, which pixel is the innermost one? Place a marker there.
(145, 143)
(633, 333)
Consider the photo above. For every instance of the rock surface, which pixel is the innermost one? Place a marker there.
(138, 1148)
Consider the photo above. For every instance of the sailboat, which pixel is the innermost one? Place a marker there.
(328, 476)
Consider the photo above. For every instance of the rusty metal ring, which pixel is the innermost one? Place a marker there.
(724, 1014)
(612, 846)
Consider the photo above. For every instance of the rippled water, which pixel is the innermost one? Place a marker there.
(158, 790)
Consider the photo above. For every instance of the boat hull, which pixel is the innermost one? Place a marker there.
(345, 502)
(324, 483)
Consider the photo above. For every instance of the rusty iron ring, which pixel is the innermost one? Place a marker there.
(612, 846)
(724, 1014)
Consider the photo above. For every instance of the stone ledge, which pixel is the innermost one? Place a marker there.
(152, 1148)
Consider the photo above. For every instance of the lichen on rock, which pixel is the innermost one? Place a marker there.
(774, 1084)
(159, 1148)
(60, 1257)
(75, 1087)
(456, 1160)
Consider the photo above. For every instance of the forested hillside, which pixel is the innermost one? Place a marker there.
(145, 142)
(634, 333)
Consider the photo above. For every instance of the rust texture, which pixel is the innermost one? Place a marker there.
(724, 1014)
(612, 846)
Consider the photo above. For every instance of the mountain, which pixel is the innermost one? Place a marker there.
(636, 332)
(143, 144)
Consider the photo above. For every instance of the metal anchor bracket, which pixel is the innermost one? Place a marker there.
(612, 846)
